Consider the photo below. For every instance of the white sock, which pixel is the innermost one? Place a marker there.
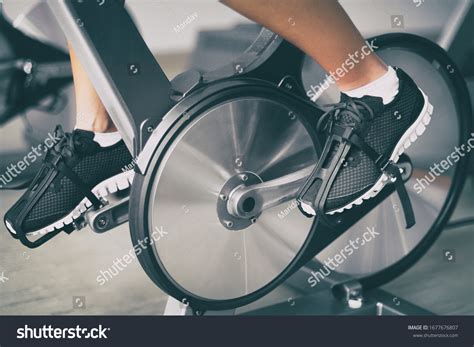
(386, 87)
(107, 139)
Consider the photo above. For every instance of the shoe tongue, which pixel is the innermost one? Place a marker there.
(374, 102)
(83, 133)
(86, 140)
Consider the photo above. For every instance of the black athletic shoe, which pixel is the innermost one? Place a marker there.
(365, 140)
(77, 173)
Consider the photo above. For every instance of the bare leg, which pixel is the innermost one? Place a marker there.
(320, 28)
(90, 112)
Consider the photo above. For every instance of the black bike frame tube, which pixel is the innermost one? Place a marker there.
(128, 79)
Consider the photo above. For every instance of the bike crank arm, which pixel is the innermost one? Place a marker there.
(250, 201)
(109, 216)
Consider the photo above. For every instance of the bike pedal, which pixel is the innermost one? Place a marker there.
(110, 215)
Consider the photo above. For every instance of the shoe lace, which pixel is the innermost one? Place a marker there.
(350, 108)
(67, 143)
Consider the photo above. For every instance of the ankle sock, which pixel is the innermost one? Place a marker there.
(386, 87)
(107, 139)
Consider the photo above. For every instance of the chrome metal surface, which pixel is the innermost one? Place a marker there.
(266, 195)
(111, 215)
(202, 255)
(229, 214)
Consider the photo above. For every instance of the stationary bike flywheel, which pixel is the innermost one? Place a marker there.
(204, 251)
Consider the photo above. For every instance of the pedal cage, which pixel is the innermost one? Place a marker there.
(315, 191)
(24, 206)
(92, 217)
(54, 166)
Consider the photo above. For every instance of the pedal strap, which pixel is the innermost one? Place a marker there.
(389, 167)
(316, 189)
(84, 188)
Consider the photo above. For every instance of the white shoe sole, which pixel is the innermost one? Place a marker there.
(111, 185)
(411, 135)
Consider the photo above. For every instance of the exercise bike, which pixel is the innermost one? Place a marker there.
(220, 154)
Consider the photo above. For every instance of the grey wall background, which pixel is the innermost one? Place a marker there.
(157, 18)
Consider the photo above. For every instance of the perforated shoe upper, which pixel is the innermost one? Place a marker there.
(382, 133)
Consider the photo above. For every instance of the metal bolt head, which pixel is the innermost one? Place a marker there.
(102, 222)
(354, 303)
(244, 177)
(150, 129)
(253, 220)
(229, 224)
(28, 67)
(223, 197)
